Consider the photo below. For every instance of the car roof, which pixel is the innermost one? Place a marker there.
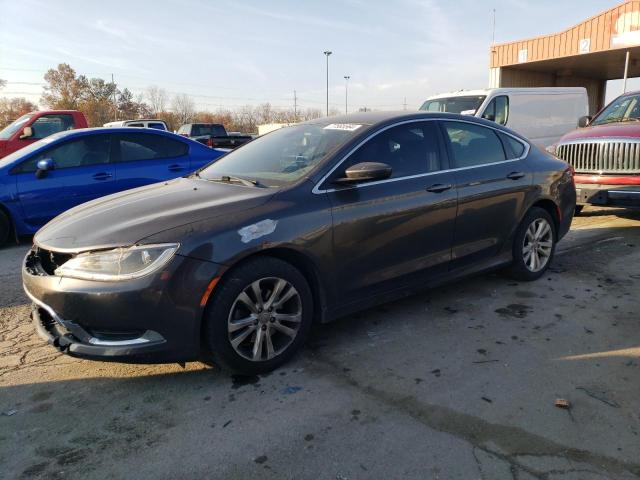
(382, 117)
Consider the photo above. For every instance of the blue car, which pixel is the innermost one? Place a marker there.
(68, 168)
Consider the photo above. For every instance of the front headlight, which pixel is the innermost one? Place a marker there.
(118, 264)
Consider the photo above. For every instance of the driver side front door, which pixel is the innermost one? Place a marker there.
(387, 233)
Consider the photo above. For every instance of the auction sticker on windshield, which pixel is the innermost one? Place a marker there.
(350, 127)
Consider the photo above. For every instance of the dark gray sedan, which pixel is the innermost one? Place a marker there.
(306, 224)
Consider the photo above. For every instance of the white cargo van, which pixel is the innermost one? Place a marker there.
(542, 115)
(142, 123)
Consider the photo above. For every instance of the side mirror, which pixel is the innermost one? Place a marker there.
(584, 121)
(365, 172)
(43, 166)
(26, 133)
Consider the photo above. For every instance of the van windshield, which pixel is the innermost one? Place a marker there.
(465, 105)
(7, 132)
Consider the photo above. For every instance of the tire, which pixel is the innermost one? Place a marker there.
(236, 320)
(543, 248)
(578, 210)
(5, 228)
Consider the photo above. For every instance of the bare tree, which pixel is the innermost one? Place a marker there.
(157, 99)
(183, 107)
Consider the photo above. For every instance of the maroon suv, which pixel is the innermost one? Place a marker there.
(605, 154)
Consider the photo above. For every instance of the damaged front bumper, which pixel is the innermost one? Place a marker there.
(151, 319)
(71, 338)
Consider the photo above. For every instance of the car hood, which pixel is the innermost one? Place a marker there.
(609, 130)
(127, 217)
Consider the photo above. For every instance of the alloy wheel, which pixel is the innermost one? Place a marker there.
(537, 245)
(264, 319)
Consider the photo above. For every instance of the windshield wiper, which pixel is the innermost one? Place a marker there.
(244, 181)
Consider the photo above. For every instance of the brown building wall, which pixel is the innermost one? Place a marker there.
(616, 28)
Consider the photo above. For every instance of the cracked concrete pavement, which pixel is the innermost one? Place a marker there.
(458, 382)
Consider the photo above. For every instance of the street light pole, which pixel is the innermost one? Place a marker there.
(346, 94)
(327, 53)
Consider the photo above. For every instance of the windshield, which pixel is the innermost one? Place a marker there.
(212, 130)
(13, 127)
(468, 105)
(283, 156)
(622, 109)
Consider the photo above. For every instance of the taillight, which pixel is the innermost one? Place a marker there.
(211, 143)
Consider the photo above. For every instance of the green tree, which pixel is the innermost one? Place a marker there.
(64, 90)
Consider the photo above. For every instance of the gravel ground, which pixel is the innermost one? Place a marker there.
(455, 383)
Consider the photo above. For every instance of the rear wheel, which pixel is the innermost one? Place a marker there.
(5, 228)
(533, 246)
(258, 317)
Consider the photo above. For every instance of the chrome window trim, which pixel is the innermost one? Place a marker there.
(316, 188)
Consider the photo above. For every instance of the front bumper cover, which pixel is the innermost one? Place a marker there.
(608, 195)
(151, 319)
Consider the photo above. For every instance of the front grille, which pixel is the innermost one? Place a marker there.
(613, 156)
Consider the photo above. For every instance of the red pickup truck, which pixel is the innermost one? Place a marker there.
(36, 125)
(605, 154)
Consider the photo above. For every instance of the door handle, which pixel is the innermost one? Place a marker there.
(102, 176)
(515, 175)
(175, 167)
(439, 187)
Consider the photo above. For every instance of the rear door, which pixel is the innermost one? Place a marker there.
(147, 157)
(386, 231)
(83, 171)
(492, 180)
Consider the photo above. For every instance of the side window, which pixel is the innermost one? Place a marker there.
(82, 152)
(50, 124)
(141, 146)
(158, 126)
(135, 125)
(497, 110)
(409, 149)
(513, 147)
(473, 145)
(183, 130)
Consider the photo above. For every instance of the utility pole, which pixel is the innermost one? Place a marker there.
(626, 72)
(327, 53)
(115, 104)
(346, 94)
(295, 105)
(493, 29)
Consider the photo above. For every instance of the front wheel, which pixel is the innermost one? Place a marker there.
(533, 246)
(258, 317)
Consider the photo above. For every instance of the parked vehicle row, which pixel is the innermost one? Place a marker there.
(68, 168)
(213, 135)
(313, 221)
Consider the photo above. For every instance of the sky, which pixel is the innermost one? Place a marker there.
(232, 53)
